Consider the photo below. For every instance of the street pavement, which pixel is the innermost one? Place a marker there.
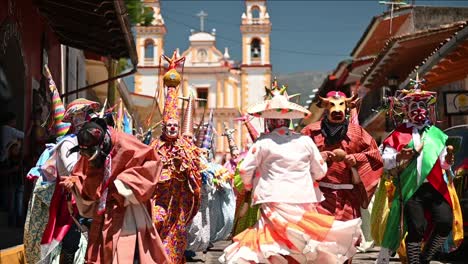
(369, 257)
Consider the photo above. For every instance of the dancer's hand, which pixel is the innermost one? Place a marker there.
(67, 182)
(244, 209)
(350, 160)
(406, 154)
(327, 155)
(450, 157)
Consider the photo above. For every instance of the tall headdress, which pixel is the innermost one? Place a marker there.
(171, 80)
(245, 119)
(277, 105)
(61, 128)
(201, 131)
(188, 124)
(209, 134)
(228, 133)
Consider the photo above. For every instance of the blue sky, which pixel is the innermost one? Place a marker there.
(306, 35)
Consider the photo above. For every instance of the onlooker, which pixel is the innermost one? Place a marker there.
(10, 156)
(8, 134)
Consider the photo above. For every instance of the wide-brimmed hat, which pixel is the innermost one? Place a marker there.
(418, 95)
(79, 105)
(278, 106)
(415, 93)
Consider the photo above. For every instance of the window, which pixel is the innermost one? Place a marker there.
(201, 55)
(202, 93)
(255, 11)
(255, 49)
(149, 49)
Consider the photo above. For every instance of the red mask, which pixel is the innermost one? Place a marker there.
(417, 112)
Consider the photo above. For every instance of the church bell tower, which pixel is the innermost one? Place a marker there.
(256, 65)
(150, 45)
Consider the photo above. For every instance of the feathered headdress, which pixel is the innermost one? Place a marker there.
(403, 98)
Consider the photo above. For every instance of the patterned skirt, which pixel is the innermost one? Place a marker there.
(198, 233)
(222, 210)
(294, 233)
(172, 214)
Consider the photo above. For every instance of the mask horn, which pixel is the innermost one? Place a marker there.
(352, 102)
(322, 102)
(95, 155)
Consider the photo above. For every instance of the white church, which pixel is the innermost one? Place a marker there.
(227, 85)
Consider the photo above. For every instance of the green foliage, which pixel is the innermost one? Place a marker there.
(138, 13)
(123, 64)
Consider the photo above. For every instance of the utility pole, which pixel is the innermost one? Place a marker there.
(391, 5)
(112, 69)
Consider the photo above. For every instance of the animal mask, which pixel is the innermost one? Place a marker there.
(337, 105)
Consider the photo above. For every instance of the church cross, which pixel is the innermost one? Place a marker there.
(392, 4)
(202, 16)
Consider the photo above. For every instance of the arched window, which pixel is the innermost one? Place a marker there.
(255, 49)
(149, 49)
(255, 11)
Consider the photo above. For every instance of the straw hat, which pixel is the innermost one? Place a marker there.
(416, 93)
(79, 105)
(277, 105)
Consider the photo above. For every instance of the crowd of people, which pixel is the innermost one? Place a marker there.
(104, 196)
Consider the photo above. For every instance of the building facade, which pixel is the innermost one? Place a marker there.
(227, 85)
(33, 34)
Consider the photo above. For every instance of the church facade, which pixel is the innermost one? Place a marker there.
(227, 85)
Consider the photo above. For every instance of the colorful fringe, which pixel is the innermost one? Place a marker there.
(61, 128)
(294, 233)
(253, 213)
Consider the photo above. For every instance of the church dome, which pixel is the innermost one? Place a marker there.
(202, 36)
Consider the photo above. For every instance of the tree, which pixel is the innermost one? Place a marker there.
(138, 13)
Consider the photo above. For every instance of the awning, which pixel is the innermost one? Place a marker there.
(447, 64)
(378, 32)
(402, 54)
(452, 68)
(98, 26)
(352, 71)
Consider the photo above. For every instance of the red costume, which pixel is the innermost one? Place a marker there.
(117, 197)
(343, 196)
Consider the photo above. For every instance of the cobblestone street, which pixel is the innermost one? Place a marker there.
(361, 258)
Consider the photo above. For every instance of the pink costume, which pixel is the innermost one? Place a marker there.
(125, 226)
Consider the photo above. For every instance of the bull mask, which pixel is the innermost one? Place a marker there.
(337, 105)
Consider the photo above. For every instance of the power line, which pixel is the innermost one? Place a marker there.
(274, 29)
(237, 42)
